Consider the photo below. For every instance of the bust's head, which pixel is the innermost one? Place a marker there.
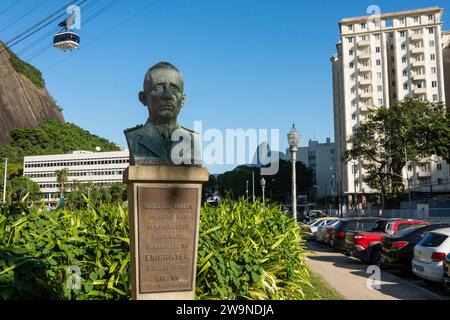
(163, 93)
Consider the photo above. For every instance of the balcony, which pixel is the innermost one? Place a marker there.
(423, 174)
(364, 55)
(364, 69)
(364, 82)
(419, 91)
(415, 51)
(364, 43)
(419, 77)
(416, 37)
(418, 63)
(366, 95)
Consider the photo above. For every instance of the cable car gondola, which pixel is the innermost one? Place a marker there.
(65, 39)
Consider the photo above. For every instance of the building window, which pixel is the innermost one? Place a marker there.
(404, 60)
(380, 88)
(352, 65)
(363, 25)
(377, 49)
(433, 70)
(416, 19)
(380, 102)
(350, 27)
(353, 116)
(405, 86)
(350, 40)
(431, 30)
(377, 36)
(440, 181)
(402, 34)
(434, 84)
(379, 75)
(432, 43)
(431, 17)
(350, 53)
(433, 57)
(439, 167)
(403, 47)
(405, 73)
(402, 20)
(410, 168)
(435, 97)
(378, 62)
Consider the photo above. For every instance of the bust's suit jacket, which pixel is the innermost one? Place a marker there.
(147, 147)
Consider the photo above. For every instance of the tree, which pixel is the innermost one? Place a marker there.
(62, 178)
(410, 129)
(22, 186)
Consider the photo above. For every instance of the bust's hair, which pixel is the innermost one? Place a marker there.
(160, 65)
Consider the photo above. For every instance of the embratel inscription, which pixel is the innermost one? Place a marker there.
(167, 229)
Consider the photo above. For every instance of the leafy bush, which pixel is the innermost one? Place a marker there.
(37, 249)
(247, 251)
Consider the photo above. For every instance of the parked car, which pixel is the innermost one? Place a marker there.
(322, 230)
(344, 225)
(329, 232)
(310, 229)
(446, 278)
(429, 255)
(397, 251)
(366, 245)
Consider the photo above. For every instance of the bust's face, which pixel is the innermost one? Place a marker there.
(163, 95)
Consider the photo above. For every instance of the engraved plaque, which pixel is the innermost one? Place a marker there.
(167, 229)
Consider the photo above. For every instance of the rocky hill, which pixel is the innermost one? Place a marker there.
(24, 101)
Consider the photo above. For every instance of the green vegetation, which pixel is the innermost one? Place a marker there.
(415, 128)
(25, 68)
(245, 252)
(51, 137)
(234, 182)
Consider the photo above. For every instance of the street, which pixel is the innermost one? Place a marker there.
(350, 278)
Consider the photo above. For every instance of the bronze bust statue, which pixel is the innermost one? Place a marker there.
(161, 141)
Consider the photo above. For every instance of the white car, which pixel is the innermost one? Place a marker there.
(429, 255)
(322, 230)
(312, 227)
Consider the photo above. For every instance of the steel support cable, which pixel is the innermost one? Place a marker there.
(10, 7)
(23, 16)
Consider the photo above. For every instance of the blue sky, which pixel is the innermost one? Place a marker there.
(246, 63)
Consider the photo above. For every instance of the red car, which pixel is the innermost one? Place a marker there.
(366, 246)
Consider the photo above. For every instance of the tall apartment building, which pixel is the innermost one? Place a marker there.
(99, 168)
(320, 158)
(378, 62)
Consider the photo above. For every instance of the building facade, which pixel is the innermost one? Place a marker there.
(98, 168)
(320, 157)
(378, 62)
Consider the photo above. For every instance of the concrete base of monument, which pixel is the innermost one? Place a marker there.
(164, 205)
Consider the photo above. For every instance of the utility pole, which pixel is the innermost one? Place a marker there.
(4, 181)
(354, 185)
(253, 185)
(407, 178)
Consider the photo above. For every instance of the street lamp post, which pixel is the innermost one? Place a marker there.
(294, 140)
(263, 186)
(246, 190)
(4, 181)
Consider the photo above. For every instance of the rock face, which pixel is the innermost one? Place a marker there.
(22, 103)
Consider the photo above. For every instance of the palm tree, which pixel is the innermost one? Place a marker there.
(62, 178)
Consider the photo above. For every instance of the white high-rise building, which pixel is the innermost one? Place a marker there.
(98, 168)
(380, 61)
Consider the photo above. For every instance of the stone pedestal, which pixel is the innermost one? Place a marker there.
(164, 204)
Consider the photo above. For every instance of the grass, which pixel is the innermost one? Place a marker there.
(321, 288)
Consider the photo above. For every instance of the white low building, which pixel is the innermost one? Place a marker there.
(93, 168)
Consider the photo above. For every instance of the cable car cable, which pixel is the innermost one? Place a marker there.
(10, 7)
(108, 32)
(43, 21)
(23, 16)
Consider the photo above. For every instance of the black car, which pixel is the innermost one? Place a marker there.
(447, 272)
(344, 225)
(397, 251)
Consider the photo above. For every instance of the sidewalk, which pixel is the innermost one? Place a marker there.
(349, 277)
